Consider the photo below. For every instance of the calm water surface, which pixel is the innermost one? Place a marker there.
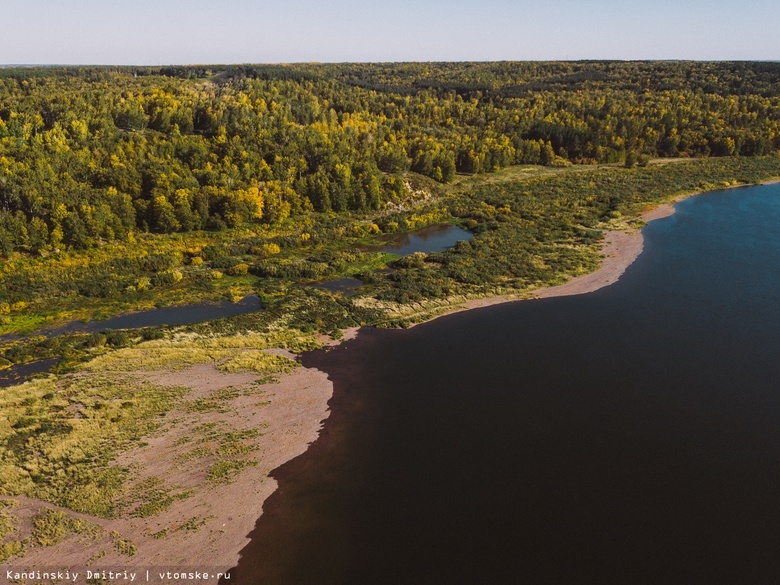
(434, 238)
(627, 436)
(184, 315)
(23, 372)
(346, 285)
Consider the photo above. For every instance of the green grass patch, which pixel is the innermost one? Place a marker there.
(124, 546)
(50, 527)
(225, 471)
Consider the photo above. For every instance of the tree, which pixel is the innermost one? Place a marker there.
(546, 154)
(162, 216)
(74, 233)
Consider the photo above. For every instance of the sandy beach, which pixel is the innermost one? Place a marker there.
(619, 249)
(210, 527)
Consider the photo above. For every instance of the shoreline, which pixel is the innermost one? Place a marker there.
(209, 526)
(291, 422)
(619, 250)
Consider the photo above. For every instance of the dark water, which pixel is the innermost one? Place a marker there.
(345, 285)
(435, 238)
(185, 315)
(22, 372)
(628, 436)
(152, 318)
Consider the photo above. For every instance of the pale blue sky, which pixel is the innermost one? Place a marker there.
(157, 32)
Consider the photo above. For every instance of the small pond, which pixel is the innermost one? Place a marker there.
(345, 286)
(434, 238)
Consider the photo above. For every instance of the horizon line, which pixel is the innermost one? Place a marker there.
(236, 64)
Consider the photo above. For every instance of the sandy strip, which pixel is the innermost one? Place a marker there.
(620, 248)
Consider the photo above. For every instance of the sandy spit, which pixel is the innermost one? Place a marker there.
(619, 250)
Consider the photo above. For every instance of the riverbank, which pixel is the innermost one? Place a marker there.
(619, 250)
(568, 406)
(212, 520)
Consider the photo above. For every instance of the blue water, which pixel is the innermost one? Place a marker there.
(627, 436)
(436, 238)
(345, 285)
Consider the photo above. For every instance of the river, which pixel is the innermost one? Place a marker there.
(631, 435)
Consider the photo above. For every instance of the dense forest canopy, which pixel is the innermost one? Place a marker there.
(89, 155)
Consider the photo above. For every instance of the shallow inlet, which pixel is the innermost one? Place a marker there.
(185, 315)
(629, 435)
(345, 285)
(21, 372)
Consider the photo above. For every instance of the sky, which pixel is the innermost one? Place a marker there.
(162, 32)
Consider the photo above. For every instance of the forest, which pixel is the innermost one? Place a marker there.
(96, 155)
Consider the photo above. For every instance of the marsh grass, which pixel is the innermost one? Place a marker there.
(50, 527)
(222, 453)
(9, 524)
(153, 497)
(186, 349)
(122, 545)
(258, 361)
(59, 437)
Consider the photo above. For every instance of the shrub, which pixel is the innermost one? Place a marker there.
(267, 250)
(167, 278)
(161, 262)
(143, 284)
(238, 270)
(225, 262)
